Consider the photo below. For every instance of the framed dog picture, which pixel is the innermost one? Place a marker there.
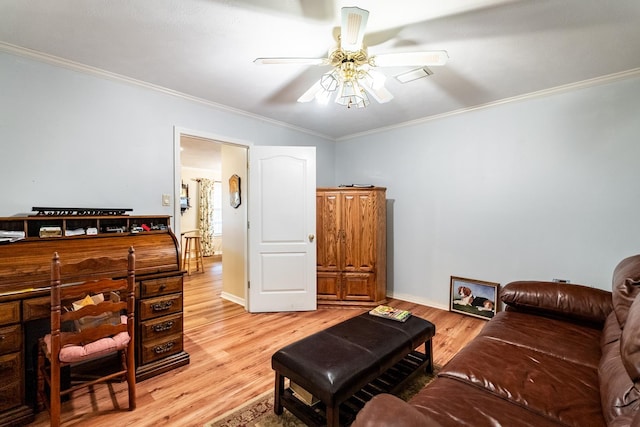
(474, 297)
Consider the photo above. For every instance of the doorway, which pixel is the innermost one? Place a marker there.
(199, 155)
(201, 172)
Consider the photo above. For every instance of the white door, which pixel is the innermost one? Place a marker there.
(282, 227)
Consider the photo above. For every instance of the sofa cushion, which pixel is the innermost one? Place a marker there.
(389, 410)
(576, 303)
(549, 386)
(454, 403)
(617, 392)
(625, 286)
(623, 296)
(565, 340)
(611, 332)
(630, 342)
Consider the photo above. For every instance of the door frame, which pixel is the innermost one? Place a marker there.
(178, 132)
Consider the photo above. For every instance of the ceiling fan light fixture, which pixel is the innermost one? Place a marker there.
(329, 81)
(351, 94)
(412, 75)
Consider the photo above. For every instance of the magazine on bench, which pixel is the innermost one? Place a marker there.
(390, 313)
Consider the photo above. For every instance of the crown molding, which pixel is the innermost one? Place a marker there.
(97, 72)
(609, 78)
(75, 66)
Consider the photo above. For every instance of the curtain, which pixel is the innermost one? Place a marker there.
(205, 217)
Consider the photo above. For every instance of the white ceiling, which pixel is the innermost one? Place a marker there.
(200, 153)
(498, 49)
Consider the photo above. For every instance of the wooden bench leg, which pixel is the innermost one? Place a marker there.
(428, 351)
(279, 389)
(333, 415)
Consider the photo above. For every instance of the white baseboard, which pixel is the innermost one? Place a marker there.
(233, 298)
(403, 297)
(418, 300)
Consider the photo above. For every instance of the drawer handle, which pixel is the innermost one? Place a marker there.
(159, 349)
(161, 306)
(2, 337)
(161, 327)
(162, 287)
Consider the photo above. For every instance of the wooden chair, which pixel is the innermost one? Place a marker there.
(97, 327)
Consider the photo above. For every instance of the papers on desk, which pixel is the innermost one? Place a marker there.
(11, 236)
(76, 232)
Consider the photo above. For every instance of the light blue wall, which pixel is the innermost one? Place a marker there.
(536, 189)
(69, 138)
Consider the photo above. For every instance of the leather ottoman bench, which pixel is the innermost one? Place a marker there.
(347, 364)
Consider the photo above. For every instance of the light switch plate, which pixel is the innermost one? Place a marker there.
(166, 200)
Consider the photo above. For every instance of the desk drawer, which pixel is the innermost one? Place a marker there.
(162, 286)
(10, 368)
(10, 339)
(157, 349)
(160, 306)
(10, 395)
(9, 312)
(161, 327)
(36, 308)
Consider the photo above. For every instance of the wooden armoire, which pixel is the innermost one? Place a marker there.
(351, 246)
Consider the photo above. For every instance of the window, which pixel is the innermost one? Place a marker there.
(217, 208)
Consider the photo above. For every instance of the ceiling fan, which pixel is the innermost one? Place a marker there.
(353, 77)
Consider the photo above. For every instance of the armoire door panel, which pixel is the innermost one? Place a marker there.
(350, 227)
(328, 232)
(360, 232)
(358, 286)
(328, 285)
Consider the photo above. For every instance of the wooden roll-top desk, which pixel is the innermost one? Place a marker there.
(24, 294)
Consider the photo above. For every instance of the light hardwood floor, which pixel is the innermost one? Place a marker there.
(230, 353)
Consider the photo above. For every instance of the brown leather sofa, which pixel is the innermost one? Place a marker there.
(558, 355)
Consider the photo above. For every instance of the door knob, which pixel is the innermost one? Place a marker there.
(311, 237)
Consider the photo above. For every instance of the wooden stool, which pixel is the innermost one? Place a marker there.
(192, 248)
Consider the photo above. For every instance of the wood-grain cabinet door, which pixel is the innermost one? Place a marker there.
(359, 228)
(328, 231)
(328, 285)
(358, 287)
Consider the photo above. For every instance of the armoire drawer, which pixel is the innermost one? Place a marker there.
(160, 306)
(157, 349)
(161, 327)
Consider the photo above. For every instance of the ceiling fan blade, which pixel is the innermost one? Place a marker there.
(376, 89)
(311, 93)
(380, 94)
(304, 61)
(354, 22)
(429, 58)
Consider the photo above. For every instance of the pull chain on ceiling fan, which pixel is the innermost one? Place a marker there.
(353, 78)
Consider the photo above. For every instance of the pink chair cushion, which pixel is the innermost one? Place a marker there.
(92, 350)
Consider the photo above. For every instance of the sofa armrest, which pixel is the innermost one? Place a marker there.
(572, 302)
(386, 410)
